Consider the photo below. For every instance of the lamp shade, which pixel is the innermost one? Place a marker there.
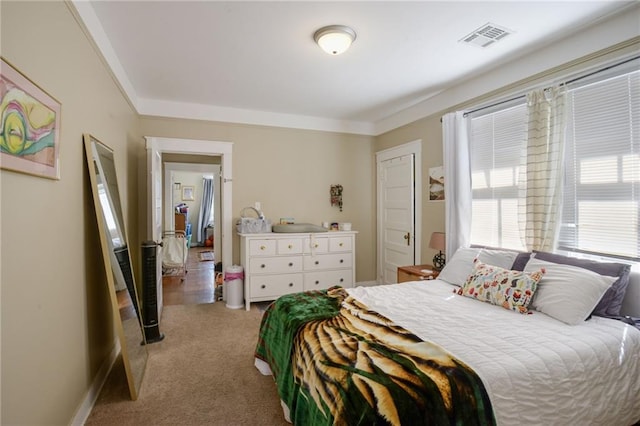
(437, 241)
(334, 39)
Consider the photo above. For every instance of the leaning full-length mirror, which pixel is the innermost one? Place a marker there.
(117, 261)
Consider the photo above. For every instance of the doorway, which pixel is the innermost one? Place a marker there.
(187, 178)
(399, 201)
(158, 147)
(192, 205)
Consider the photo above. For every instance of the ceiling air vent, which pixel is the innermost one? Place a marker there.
(486, 35)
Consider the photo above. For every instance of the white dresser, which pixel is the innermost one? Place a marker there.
(276, 264)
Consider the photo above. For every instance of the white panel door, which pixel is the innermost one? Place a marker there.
(397, 209)
(154, 186)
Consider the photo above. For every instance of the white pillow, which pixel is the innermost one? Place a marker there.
(501, 258)
(567, 293)
(460, 266)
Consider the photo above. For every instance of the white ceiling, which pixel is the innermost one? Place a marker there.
(256, 62)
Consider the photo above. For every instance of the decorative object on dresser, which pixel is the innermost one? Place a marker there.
(438, 242)
(277, 264)
(416, 273)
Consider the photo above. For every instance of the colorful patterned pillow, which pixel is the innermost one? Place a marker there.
(510, 289)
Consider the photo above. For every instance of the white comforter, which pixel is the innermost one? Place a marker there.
(537, 370)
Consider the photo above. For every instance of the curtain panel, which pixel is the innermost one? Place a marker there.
(205, 209)
(540, 174)
(457, 181)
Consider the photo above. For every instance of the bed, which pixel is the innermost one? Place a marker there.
(424, 353)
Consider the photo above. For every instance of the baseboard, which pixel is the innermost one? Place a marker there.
(82, 414)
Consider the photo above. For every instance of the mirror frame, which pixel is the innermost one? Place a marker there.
(132, 344)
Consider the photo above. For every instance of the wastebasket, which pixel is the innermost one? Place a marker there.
(234, 286)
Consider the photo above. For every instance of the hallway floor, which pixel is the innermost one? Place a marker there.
(198, 285)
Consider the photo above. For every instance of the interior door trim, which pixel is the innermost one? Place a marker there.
(415, 148)
(212, 148)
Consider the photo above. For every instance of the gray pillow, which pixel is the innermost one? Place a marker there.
(611, 302)
(521, 261)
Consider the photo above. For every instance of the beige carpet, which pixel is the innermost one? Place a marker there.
(202, 373)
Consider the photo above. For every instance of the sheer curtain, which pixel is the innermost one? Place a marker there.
(540, 182)
(457, 181)
(205, 209)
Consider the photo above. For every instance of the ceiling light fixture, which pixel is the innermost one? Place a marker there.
(334, 39)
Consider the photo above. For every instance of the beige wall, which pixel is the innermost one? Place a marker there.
(290, 172)
(55, 314)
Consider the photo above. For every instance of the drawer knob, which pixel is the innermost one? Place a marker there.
(290, 284)
(341, 261)
(317, 282)
(263, 266)
(341, 280)
(315, 245)
(262, 247)
(263, 286)
(317, 262)
(290, 263)
(341, 244)
(290, 246)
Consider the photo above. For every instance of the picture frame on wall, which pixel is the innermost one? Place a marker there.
(436, 183)
(30, 132)
(187, 193)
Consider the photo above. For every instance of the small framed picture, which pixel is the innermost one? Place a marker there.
(187, 193)
(436, 183)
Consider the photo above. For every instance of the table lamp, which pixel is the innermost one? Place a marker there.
(437, 242)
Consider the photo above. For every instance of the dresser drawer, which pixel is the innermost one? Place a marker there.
(262, 247)
(275, 285)
(326, 279)
(316, 245)
(327, 261)
(290, 246)
(339, 244)
(275, 265)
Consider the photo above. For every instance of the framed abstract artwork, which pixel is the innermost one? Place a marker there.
(29, 125)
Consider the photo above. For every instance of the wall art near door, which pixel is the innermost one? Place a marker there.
(187, 193)
(436, 183)
(30, 126)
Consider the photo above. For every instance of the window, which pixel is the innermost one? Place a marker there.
(601, 189)
(497, 140)
(602, 176)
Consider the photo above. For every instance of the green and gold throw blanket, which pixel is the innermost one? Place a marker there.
(335, 362)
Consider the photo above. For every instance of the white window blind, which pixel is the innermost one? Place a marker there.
(497, 140)
(602, 178)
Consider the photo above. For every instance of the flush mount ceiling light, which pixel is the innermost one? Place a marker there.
(334, 39)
